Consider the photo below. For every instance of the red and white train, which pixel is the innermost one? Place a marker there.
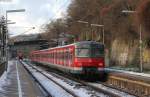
(78, 58)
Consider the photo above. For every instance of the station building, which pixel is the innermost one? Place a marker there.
(25, 44)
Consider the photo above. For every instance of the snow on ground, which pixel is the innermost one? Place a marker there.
(3, 79)
(82, 92)
(122, 94)
(52, 88)
(128, 72)
(75, 87)
(72, 86)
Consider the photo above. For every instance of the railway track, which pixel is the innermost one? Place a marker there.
(87, 85)
(131, 87)
(90, 92)
(99, 86)
(128, 85)
(43, 87)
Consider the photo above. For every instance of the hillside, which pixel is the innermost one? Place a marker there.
(121, 29)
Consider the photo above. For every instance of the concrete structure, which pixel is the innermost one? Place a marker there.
(65, 38)
(26, 44)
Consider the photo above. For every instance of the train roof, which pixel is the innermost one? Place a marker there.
(89, 42)
(77, 43)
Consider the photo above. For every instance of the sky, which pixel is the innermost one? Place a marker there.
(37, 13)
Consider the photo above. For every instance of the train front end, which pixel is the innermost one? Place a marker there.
(89, 58)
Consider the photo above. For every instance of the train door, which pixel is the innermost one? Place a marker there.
(72, 56)
(58, 57)
(49, 56)
(54, 56)
(67, 57)
(64, 55)
(61, 57)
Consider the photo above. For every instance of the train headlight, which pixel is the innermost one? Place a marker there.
(100, 64)
(79, 64)
(89, 60)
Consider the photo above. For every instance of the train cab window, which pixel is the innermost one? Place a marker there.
(89, 50)
(83, 52)
(97, 50)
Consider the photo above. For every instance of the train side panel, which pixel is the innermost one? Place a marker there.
(60, 58)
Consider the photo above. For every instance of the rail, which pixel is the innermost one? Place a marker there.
(110, 94)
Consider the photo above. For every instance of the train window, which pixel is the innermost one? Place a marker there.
(91, 50)
(97, 52)
(62, 55)
(83, 52)
(59, 55)
(52, 55)
(49, 55)
(71, 58)
(55, 55)
(83, 46)
(68, 53)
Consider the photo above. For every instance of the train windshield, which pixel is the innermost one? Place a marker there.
(90, 50)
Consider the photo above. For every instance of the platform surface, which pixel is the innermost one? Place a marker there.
(17, 82)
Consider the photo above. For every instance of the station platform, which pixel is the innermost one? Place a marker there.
(16, 82)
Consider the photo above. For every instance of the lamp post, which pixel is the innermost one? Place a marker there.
(140, 39)
(11, 23)
(6, 46)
